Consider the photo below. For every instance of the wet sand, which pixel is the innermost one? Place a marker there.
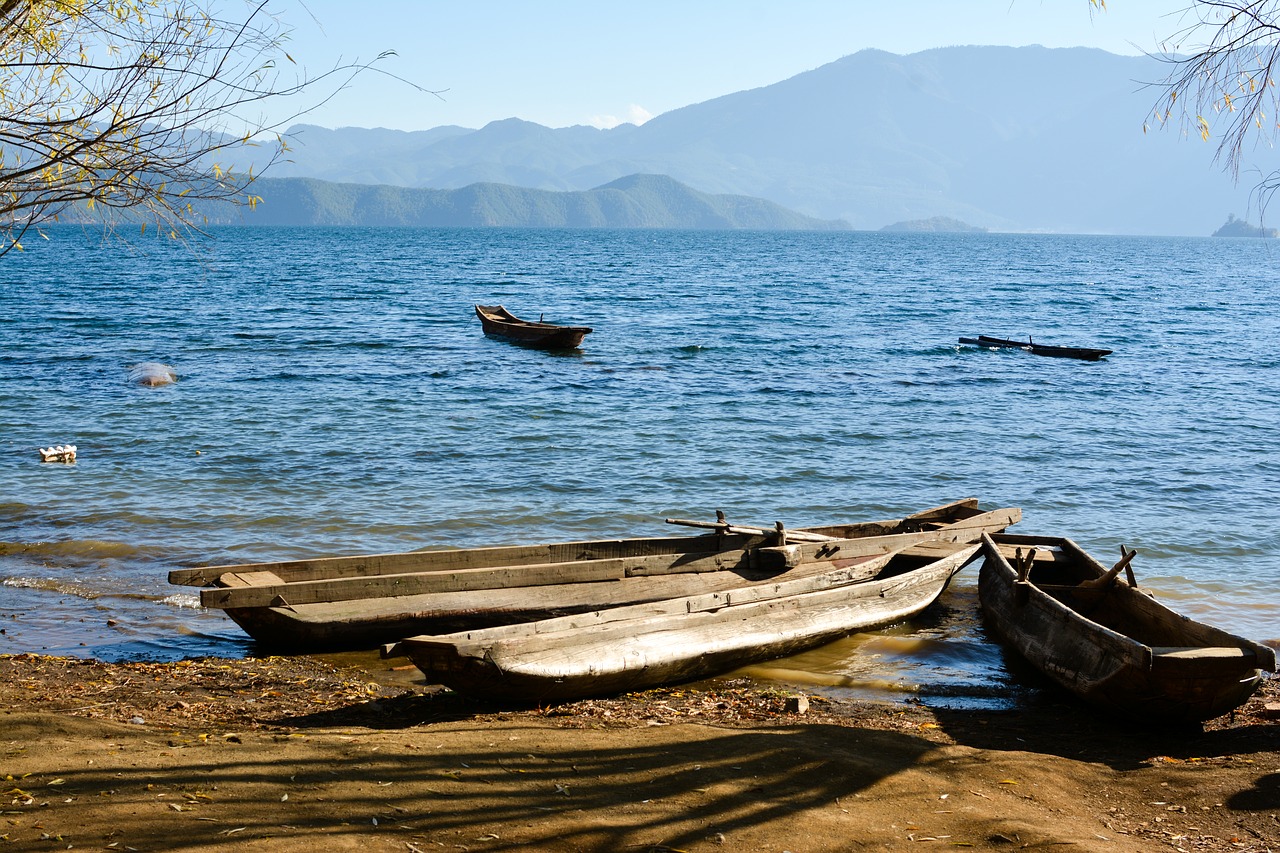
(297, 754)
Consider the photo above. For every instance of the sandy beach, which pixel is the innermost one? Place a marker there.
(301, 754)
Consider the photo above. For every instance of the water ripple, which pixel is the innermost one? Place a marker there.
(356, 407)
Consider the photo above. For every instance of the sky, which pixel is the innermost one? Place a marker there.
(571, 62)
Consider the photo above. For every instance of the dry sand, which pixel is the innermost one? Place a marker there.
(288, 754)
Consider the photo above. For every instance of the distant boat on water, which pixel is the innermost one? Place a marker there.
(498, 322)
(1083, 353)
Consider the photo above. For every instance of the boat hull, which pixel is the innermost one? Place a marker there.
(1081, 353)
(498, 322)
(634, 648)
(356, 602)
(1118, 649)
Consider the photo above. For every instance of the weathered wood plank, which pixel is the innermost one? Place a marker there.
(341, 589)
(383, 586)
(457, 559)
(242, 579)
(529, 662)
(1115, 646)
(299, 592)
(1044, 553)
(666, 608)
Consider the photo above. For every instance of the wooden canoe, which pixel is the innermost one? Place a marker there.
(363, 601)
(683, 639)
(498, 322)
(1082, 353)
(1106, 640)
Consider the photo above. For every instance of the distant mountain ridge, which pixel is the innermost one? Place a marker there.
(1024, 139)
(636, 201)
(936, 224)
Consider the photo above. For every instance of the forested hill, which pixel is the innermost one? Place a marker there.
(637, 201)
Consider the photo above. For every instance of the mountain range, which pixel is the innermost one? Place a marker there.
(636, 201)
(1007, 139)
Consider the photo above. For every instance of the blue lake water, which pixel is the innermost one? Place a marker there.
(336, 396)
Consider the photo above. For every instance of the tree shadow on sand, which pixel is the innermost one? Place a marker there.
(537, 788)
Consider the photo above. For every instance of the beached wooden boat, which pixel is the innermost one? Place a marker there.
(683, 639)
(1083, 353)
(1108, 641)
(363, 601)
(498, 322)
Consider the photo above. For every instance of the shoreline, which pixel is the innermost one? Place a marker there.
(291, 753)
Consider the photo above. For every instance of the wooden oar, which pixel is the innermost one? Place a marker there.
(724, 526)
(1110, 577)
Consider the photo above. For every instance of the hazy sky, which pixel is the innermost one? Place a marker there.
(567, 62)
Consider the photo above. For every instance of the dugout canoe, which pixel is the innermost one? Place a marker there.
(361, 602)
(1108, 641)
(1082, 353)
(498, 322)
(684, 639)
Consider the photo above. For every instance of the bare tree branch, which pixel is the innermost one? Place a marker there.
(131, 105)
(1223, 59)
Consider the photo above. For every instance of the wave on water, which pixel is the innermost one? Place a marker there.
(62, 586)
(358, 408)
(94, 549)
(181, 600)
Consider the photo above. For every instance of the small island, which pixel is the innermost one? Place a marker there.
(937, 224)
(1241, 228)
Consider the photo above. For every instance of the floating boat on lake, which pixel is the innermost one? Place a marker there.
(682, 639)
(364, 601)
(1030, 346)
(1108, 641)
(498, 322)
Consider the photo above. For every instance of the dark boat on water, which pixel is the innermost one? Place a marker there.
(1108, 641)
(498, 322)
(1083, 353)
